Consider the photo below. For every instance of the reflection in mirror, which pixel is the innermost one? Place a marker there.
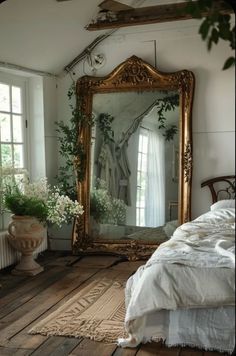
(134, 177)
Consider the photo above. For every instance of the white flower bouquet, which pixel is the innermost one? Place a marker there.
(40, 200)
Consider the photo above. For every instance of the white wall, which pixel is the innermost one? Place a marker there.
(178, 46)
(50, 116)
(36, 137)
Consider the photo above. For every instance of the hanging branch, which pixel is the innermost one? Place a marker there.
(163, 105)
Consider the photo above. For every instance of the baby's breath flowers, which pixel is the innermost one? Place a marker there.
(61, 209)
(40, 200)
(104, 208)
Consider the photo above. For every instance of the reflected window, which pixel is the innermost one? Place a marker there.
(141, 177)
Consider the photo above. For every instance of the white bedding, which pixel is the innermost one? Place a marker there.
(210, 329)
(192, 271)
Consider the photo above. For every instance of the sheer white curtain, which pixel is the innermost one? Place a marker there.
(155, 191)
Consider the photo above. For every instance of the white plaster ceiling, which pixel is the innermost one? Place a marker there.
(46, 35)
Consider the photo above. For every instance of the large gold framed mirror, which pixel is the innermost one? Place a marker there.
(137, 184)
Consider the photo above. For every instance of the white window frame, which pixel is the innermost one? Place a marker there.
(22, 82)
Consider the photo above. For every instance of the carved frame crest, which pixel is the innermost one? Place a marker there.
(134, 74)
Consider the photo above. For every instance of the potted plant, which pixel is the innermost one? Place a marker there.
(34, 205)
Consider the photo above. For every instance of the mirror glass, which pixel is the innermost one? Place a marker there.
(134, 165)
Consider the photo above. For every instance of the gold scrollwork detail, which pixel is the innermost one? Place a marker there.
(188, 162)
(134, 74)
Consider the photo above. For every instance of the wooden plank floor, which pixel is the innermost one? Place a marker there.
(26, 300)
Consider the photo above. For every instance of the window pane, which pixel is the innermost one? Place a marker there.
(18, 156)
(139, 179)
(138, 198)
(142, 199)
(16, 100)
(139, 162)
(137, 216)
(142, 217)
(5, 128)
(17, 128)
(4, 97)
(144, 163)
(140, 143)
(6, 155)
(145, 144)
(143, 180)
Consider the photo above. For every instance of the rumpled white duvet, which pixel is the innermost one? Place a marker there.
(185, 294)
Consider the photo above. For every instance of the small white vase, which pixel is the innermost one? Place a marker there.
(25, 234)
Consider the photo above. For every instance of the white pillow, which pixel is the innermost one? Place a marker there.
(223, 204)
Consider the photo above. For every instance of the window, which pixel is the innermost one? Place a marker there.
(141, 177)
(150, 198)
(12, 130)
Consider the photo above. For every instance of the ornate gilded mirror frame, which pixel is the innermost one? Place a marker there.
(134, 75)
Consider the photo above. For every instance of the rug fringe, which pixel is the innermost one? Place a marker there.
(105, 337)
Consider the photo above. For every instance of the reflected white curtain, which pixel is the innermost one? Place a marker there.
(155, 191)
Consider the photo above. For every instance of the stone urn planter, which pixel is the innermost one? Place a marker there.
(25, 234)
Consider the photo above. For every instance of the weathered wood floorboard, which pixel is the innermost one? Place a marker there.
(27, 300)
(57, 346)
(18, 352)
(157, 348)
(126, 352)
(23, 294)
(92, 348)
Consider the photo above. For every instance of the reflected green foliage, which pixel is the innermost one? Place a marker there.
(170, 132)
(104, 121)
(164, 105)
(104, 208)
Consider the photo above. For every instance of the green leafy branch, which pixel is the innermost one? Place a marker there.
(72, 148)
(215, 26)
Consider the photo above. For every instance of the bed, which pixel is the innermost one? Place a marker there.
(185, 293)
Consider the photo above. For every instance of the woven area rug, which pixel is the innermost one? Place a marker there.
(97, 312)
